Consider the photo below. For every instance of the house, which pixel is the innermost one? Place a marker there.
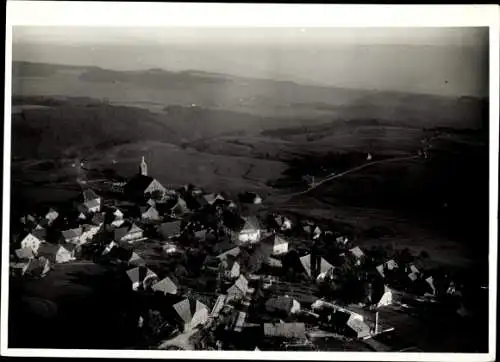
(136, 260)
(230, 266)
(251, 230)
(56, 253)
(91, 201)
(109, 247)
(28, 220)
(170, 229)
(128, 234)
(430, 282)
(19, 269)
(165, 286)
(279, 245)
(151, 215)
(141, 277)
(285, 330)
(283, 305)
(219, 304)
(191, 313)
(211, 199)
(386, 298)
(24, 254)
(88, 233)
(324, 268)
(413, 272)
(313, 232)
(240, 321)
(51, 216)
(72, 236)
(170, 248)
(388, 265)
(37, 267)
(31, 241)
(357, 327)
(180, 208)
(358, 254)
(239, 289)
(82, 216)
(232, 252)
(306, 263)
(342, 240)
(274, 263)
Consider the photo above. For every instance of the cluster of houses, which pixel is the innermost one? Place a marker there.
(248, 258)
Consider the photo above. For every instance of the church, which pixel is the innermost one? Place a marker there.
(142, 186)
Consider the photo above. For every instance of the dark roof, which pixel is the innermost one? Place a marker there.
(280, 303)
(89, 195)
(187, 307)
(24, 253)
(138, 183)
(170, 229)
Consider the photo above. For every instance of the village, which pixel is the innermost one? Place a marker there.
(213, 274)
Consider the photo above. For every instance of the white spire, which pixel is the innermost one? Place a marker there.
(143, 167)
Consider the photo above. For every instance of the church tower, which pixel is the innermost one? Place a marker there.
(143, 168)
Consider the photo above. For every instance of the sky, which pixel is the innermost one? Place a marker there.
(445, 61)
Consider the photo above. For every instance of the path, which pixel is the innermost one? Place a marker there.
(333, 177)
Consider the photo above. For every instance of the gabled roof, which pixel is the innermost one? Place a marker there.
(40, 234)
(72, 233)
(135, 259)
(232, 252)
(325, 266)
(282, 303)
(241, 283)
(187, 308)
(92, 203)
(285, 330)
(274, 240)
(138, 183)
(212, 198)
(49, 250)
(357, 252)
(359, 327)
(120, 232)
(139, 274)
(24, 253)
(89, 195)
(306, 263)
(166, 286)
(170, 229)
(251, 223)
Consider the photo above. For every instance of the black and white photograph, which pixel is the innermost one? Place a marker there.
(249, 188)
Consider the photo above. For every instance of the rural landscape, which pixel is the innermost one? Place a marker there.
(199, 210)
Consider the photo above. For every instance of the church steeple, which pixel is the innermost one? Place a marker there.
(143, 168)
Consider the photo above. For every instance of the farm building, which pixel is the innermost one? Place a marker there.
(191, 313)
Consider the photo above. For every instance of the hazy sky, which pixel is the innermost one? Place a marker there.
(450, 61)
